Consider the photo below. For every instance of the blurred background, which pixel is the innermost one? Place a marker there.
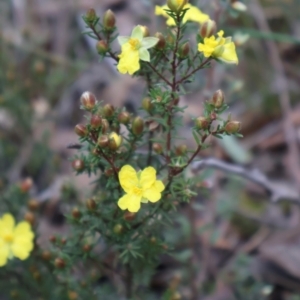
(244, 233)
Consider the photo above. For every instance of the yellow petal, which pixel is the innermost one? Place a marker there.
(152, 194)
(4, 253)
(147, 178)
(128, 178)
(21, 247)
(229, 54)
(129, 62)
(7, 223)
(130, 202)
(23, 229)
(195, 14)
(159, 186)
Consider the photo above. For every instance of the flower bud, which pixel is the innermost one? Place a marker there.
(108, 110)
(161, 44)
(46, 255)
(52, 239)
(145, 30)
(184, 50)
(124, 117)
(129, 216)
(63, 241)
(30, 218)
(87, 248)
(237, 5)
(109, 172)
(137, 125)
(81, 130)
(218, 99)
(103, 141)
(208, 29)
(118, 228)
(176, 5)
(176, 296)
(115, 141)
(33, 204)
(39, 67)
(157, 148)
(59, 263)
(147, 104)
(102, 47)
(72, 295)
(91, 204)
(88, 100)
(90, 16)
(202, 123)
(105, 126)
(181, 150)
(78, 164)
(76, 214)
(96, 121)
(232, 127)
(26, 185)
(109, 20)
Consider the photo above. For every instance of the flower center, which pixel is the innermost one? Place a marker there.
(134, 43)
(137, 191)
(8, 237)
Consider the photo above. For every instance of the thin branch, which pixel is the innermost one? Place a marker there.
(277, 193)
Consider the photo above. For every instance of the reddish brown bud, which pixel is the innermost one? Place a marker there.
(213, 116)
(181, 150)
(39, 67)
(36, 275)
(26, 185)
(91, 204)
(90, 16)
(218, 99)
(103, 141)
(118, 228)
(80, 130)
(109, 20)
(184, 50)
(33, 204)
(52, 239)
(96, 121)
(202, 123)
(109, 172)
(108, 110)
(137, 126)
(161, 44)
(157, 148)
(146, 104)
(59, 263)
(87, 248)
(102, 47)
(208, 29)
(232, 127)
(88, 100)
(153, 240)
(124, 117)
(78, 164)
(105, 126)
(30, 218)
(63, 241)
(129, 216)
(72, 295)
(46, 255)
(76, 214)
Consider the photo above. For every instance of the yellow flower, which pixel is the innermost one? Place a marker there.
(14, 240)
(194, 14)
(139, 187)
(133, 49)
(220, 48)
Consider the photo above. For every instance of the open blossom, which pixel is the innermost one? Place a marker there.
(134, 48)
(15, 241)
(220, 48)
(139, 187)
(193, 14)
